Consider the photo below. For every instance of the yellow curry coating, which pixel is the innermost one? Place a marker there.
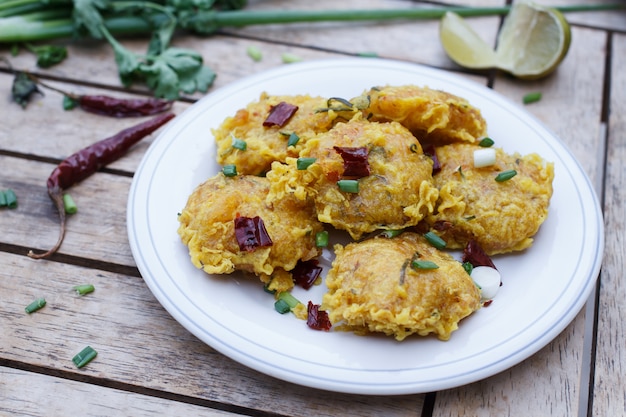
(267, 144)
(433, 116)
(207, 228)
(373, 287)
(398, 193)
(501, 216)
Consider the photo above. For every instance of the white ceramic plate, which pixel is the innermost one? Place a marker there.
(544, 287)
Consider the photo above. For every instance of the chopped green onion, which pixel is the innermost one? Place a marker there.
(531, 97)
(304, 163)
(414, 147)
(417, 264)
(239, 144)
(486, 142)
(8, 199)
(84, 357)
(506, 175)
(282, 307)
(35, 305)
(348, 186)
(83, 289)
(254, 53)
(69, 204)
(69, 103)
(286, 298)
(468, 267)
(321, 239)
(290, 58)
(391, 233)
(293, 140)
(435, 240)
(229, 170)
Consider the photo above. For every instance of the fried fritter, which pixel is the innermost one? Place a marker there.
(397, 193)
(373, 286)
(500, 216)
(207, 227)
(265, 145)
(433, 116)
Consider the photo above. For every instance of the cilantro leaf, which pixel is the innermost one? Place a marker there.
(48, 55)
(87, 18)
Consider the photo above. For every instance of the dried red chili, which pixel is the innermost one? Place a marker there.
(251, 233)
(280, 114)
(119, 107)
(474, 254)
(355, 163)
(430, 151)
(306, 273)
(85, 162)
(317, 319)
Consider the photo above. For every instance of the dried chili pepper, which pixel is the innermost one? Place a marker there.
(87, 161)
(280, 114)
(317, 319)
(251, 233)
(355, 163)
(119, 107)
(474, 254)
(306, 273)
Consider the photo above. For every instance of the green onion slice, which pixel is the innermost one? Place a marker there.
(468, 267)
(348, 186)
(229, 170)
(35, 305)
(506, 175)
(282, 307)
(84, 357)
(69, 204)
(391, 233)
(11, 198)
(531, 97)
(417, 264)
(239, 144)
(435, 240)
(254, 53)
(486, 142)
(84, 289)
(293, 139)
(321, 239)
(304, 163)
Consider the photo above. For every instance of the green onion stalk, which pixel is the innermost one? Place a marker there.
(34, 20)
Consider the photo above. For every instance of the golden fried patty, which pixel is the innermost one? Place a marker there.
(207, 227)
(398, 192)
(433, 116)
(501, 216)
(377, 286)
(265, 144)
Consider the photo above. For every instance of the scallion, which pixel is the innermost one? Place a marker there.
(304, 163)
(484, 157)
(293, 139)
(282, 307)
(348, 186)
(321, 239)
(254, 53)
(84, 289)
(391, 233)
(506, 175)
(417, 264)
(35, 305)
(531, 97)
(486, 142)
(229, 170)
(84, 357)
(69, 204)
(239, 144)
(435, 240)
(287, 298)
(288, 58)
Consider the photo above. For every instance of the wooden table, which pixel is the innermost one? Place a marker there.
(148, 364)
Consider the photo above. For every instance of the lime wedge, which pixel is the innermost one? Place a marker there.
(463, 45)
(532, 42)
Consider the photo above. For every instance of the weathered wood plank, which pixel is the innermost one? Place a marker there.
(549, 381)
(609, 384)
(30, 394)
(140, 344)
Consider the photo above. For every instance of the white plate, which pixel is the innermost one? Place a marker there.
(544, 287)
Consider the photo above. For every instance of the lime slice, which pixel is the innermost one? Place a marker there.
(463, 45)
(532, 42)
